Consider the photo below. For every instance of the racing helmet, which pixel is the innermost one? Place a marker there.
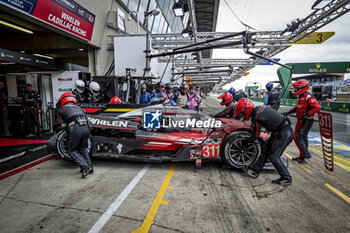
(115, 100)
(94, 88)
(244, 108)
(226, 98)
(66, 98)
(299, 87)
(232, 90)
(269, 86)
(79, 86)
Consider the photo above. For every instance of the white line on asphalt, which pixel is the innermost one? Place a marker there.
(97, 227)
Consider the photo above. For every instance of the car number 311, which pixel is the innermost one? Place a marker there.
(211, 151)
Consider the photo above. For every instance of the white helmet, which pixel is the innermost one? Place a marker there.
(94, 88)
(79, 86)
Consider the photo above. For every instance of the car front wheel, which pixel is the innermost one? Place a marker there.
(239, 151)
(61, 145)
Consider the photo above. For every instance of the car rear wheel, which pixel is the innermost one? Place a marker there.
(239, 151)
(61, 146)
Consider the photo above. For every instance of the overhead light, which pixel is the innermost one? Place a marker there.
(16, 27)
(319, 4)
(81, 49)
(22, 51)
(180, 8)
(39, 55)
(187, 32)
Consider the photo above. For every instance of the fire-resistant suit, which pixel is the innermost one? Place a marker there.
(31, 106)
(305, 109)
(78, 132)
(281, 137)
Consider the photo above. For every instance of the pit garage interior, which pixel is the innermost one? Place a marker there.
(40, 192)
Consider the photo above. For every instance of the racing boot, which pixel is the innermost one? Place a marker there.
(86, 172)
(250, 172)
(282, 181)
(304, 160)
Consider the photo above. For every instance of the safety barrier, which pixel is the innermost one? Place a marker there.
(327, 106)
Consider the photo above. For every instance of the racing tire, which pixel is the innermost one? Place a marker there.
(239, 151)
(61, 146)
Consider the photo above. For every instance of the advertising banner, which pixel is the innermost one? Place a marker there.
(63, 82)
(64, 14)
(121, 19)
(326, 131)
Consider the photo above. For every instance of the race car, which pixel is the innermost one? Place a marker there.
(160, 133)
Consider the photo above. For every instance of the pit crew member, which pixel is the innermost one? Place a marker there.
(75, 120)
(307, 106)
(281, 136)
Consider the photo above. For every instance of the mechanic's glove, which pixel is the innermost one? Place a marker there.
(306, 116)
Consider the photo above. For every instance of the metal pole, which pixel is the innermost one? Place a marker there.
(138, 23)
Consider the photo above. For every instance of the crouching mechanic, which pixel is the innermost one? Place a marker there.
(305, 109)
(78, 132)
(227, 100)
(281, 137)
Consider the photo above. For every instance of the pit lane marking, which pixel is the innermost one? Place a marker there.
(300, 165)
(340, 194)
(346, 167)
(97, 227)
(148, 220)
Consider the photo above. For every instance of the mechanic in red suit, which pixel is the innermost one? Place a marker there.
(227, 99)
(305, 109)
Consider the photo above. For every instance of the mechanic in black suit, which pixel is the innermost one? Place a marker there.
(78, 132)
(31, 108)
(281, 136)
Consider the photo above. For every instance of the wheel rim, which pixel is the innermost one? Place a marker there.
(242, 152)
(63, 146)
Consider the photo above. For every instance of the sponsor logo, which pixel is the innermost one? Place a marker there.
(81, 12)
(100, 122)
(65, 79)
(151, 120)
(120, 148)
(92, 105)
(155, 120)
(67, 4)
(318, 65)
(65, 89)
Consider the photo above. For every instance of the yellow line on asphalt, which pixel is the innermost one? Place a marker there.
(334, 142)
(335, 158)
(300, 165)
(148, 221)
(340, 194)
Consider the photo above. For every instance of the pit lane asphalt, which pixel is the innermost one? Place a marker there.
(51, 197)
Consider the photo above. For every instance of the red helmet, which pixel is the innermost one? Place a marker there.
(115, 100)
(226, 98)
(67, 98)
(244, 107)
(299, 87)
